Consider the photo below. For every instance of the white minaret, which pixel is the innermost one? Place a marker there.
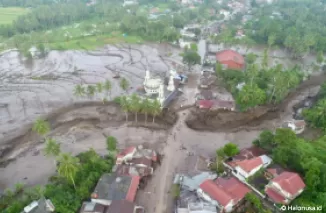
(171, 86)
(161, 96)
(147, 76)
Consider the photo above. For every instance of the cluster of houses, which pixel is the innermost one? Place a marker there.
(249, 171)
(205, 99)
(115, 192)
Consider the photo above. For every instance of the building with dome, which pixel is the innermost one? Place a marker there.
(155, 88)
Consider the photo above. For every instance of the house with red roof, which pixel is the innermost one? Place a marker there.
(126, 154)
(247, 168)
(285, 187)
(112, 187)
(223, 193)
(230, 59)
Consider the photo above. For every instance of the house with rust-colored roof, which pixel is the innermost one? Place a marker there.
(112, 187)
(126, 154)
(223, 193)
(285, 187)
(247, 168)
(230, 59)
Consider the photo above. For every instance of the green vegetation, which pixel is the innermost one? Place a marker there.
(176, 190)
(231, 149)
(111, 145)
(261, 85)
(190, 57)
(10, 14)
(305, 157)
(74, 182)
(255, 204)
(41, 127)
(135, 104)
(297, 26)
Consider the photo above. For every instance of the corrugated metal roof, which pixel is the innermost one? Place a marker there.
(192, 183)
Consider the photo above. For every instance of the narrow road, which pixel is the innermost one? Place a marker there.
(169, 165)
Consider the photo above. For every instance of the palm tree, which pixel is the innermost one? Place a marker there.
(91, 91)
(79, 90)
(125, 105)
(99, 87)
(124, 84)
(135, 105)
(52, 148)
(145, 107)
(68, 167)
(108, 88)
(155, 109)
(41, 127)
(111, 144)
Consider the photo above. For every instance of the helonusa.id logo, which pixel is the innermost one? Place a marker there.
(301, 208)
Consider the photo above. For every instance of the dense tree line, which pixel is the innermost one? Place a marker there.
(47, 17)
(305, 157)
(297, 25)
(260, 84)
(32, 3)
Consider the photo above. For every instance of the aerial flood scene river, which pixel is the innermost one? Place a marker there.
(162, 114)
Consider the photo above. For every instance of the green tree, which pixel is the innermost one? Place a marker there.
(68, 167)
(52, 148)
(271, 40)
(190, 58)
(316, 116)
(231, 149)
(124, 84)
(251, 58)
(320, 57)
(91, 90)
(266, 140)
(193, 47)
(145, 107)
(99, 87)
(108, 87)
(41, 127)
(265, 59)
(220, 153)
(111, 145)
(135, 105)
(250, 96)
(155, 109)
(125, 105)
(79, 90)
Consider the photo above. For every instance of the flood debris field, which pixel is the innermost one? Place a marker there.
(29, 90)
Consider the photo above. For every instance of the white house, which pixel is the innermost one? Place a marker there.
(247, 168)
(285, 187)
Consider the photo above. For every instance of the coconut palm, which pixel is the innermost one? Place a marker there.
(108, 87)
(41, 127)
(135, 105)
(124, 84)
(125, 105)
(52, 148)
(68, 167)
(145, 107)
(155, 109)
(91, 90)
(79, 90)
(99, 87)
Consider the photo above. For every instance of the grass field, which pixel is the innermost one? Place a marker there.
(93, 42)
(9, 14)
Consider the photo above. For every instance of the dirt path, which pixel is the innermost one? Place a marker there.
(169, 165)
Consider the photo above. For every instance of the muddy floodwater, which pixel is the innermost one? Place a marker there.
(44, 87)
(30, 89)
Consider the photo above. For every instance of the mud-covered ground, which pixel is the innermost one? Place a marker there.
(31, 89)
(46, 88)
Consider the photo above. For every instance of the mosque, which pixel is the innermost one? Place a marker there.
(155, 88)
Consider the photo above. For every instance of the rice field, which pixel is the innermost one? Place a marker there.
(9, 14)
